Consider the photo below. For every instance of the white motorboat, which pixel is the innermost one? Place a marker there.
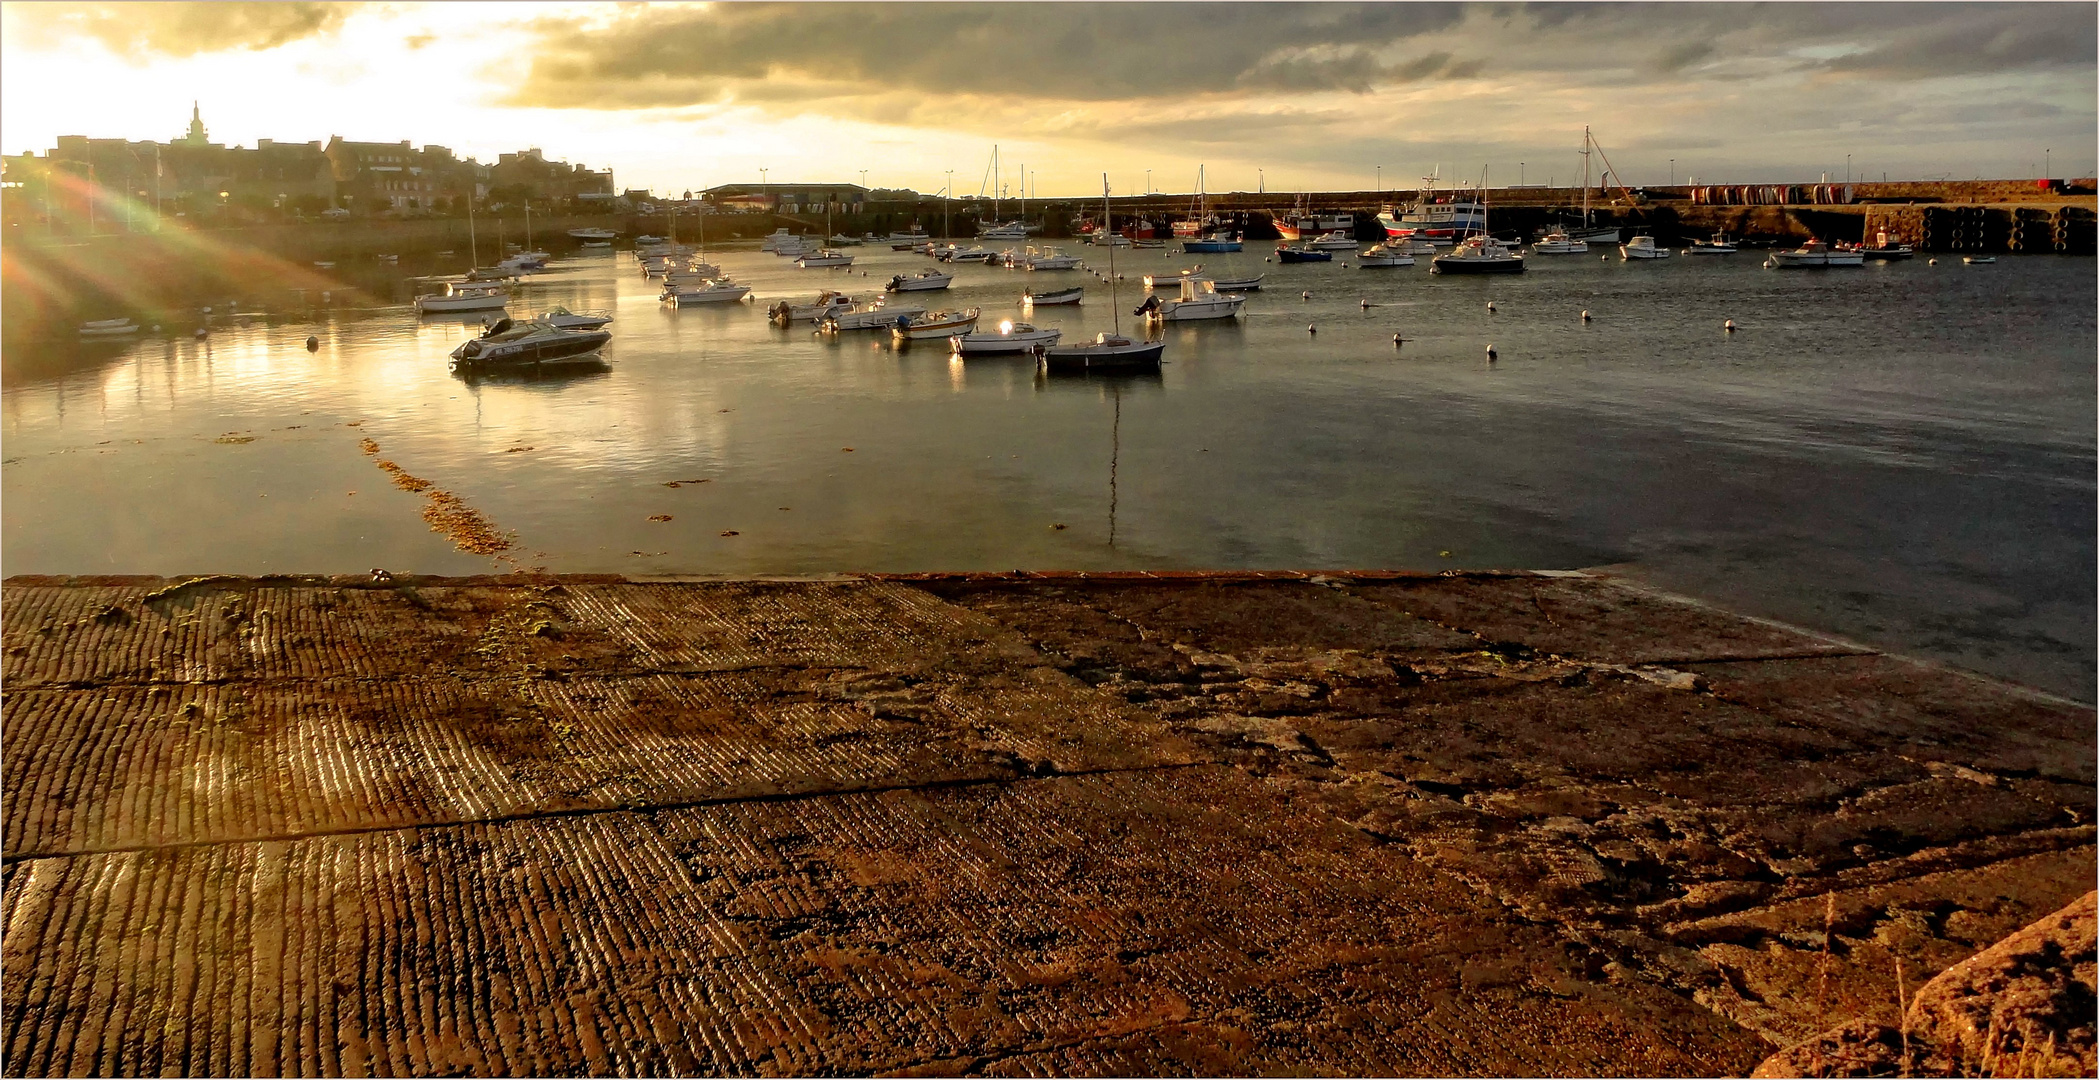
(1382, 255)
(1199, 299)
(772, 240)
(1333, 241)
(1642, 247)
(1252, 284)
(108, 328)
(915, 235)
(496, 273)
(824, 257)
(879, 315)
(645, 239)
(1061, 296)
(593, 236)
(923, 281)
(935, 324)
(564, 319)
(706, 292)
(463, 296)
(1478, 255)
(1051, 258)
(1887, 248)
(1558, 243)
(827, 303)
(1112, 240)
(847, 241)
(530, 342)
(794, 247)
(1010, 337)
(1815, 255)
(952, 253)
(1171, 281)
(1720, 244)
(1011, 230)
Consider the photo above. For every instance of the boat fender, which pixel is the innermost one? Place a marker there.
(313, 344)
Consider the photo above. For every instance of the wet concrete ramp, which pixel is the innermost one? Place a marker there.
(1495, 824)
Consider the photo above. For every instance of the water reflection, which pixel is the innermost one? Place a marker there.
(1788, 468)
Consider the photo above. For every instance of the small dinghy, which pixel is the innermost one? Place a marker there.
(1061, 296)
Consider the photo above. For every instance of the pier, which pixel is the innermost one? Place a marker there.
(1487, 823)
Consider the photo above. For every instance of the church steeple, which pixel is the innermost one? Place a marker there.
(196, 136)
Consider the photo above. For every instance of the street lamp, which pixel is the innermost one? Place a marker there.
(762, 170)
(2046, 166)
(1147, 181)
(1520, 177)
(1672, 170)
(1381, 180)
(1847, 168)
(863, 178)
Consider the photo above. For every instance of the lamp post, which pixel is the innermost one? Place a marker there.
(948, 192)
(1147, 181)
(1847, 168)
(2047, 166)
(1263, 175)
(1672, 171)
(1381, 180)
(863, 178)
(1520, 176)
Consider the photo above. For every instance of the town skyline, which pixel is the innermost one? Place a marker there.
(1271, 97)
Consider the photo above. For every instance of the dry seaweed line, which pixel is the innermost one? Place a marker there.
(448, 514)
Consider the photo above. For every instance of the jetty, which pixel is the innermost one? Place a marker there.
(1227, 823)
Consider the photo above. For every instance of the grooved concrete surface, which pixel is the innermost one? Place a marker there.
(1129, 824)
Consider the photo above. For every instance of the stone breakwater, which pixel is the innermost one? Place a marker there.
(1363, 823)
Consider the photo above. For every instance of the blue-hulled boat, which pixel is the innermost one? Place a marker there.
(1287, 254)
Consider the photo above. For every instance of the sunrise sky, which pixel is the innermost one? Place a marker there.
(1293, 96)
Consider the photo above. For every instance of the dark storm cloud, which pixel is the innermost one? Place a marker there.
(1083, 52)
(182, 29)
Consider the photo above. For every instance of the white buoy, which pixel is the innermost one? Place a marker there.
(207, 311)
(1585, 316)
(1729, 326)
(1396, 339)
(201, 332)
(1491, 354)
(1311, 329)
(1366, 305)
(1931, 262)
(1490, 307)
(1308, 294)
(1604, 258)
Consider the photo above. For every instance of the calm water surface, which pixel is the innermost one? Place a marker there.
(1901, 453)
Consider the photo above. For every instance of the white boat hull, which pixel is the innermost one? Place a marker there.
(1196, 310)
(875, 318)
(728, 295)
(942, 328)
(926, 283)
(1066, 296)
(1793, 260)
(460, 303)
(996, 344)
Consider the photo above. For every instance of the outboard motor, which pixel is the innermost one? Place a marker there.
(896, 283)
(1151, 303)
(500, 326)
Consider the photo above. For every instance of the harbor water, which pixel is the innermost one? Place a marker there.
(1903, 454)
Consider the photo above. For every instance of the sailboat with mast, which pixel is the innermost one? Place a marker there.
(1478, 253)
(1106, 352)
(824, 256)
(1588, 232)
(1205, 235)
(1010, 230)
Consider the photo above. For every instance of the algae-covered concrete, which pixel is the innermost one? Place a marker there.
(1479, 824)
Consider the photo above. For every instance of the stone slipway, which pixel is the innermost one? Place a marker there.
(1135, 823)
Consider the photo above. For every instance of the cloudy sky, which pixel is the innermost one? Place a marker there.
(1286, 96)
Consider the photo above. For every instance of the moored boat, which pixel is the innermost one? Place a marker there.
(593, 236)
(923, 281)
(1642, 247)
(824, 257)
(1288, 254)
(1008, 338)
(1434, 216)
(879, 315)
(108, 328)
(1334, 241)
(1887, 248)
(1814, 255)
(1239, 284)
(1558, 243)
(1045, 299)
(463, 296)
(1199, 299)
(934, 324)
(564, 319)
(1479, 254)
(1720, 244)
(1382, 255)
(827, 303)
(530, 342)
(705, 292)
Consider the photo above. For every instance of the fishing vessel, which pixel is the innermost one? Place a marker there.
(1720, 244)
(1300, 222)
(1439, 218)
(1559, 243)
(1107, 351)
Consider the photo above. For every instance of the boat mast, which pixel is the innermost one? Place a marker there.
(1023, 193)
(1108, 221)
(1585, 176)
(473, 245)
(528, 226)
(994, 183)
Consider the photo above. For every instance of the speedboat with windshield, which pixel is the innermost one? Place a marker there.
(704, 292)
(1381, 255)
(936, 324)
(463, 296)
(1558, 242)
(565, 319)
(531, 342)
(1008, 338)
(1815, 255)
(1199, 299)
